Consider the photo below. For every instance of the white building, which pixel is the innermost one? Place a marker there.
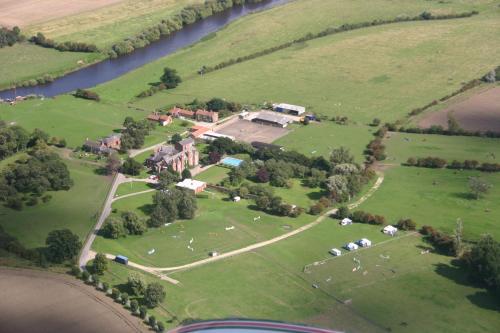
(211, 136)
(351, 246)
(346, 221)
(194, 185)
(363, 242)
(390, 230)
(335, 252)
(236, 199)
(296, 110)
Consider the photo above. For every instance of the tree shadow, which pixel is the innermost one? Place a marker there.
(464, 195)
(456, 272)
(146, 209)
(101, 171)
(316, 195)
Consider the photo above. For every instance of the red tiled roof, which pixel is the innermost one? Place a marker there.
(181, 112)
(205, 112)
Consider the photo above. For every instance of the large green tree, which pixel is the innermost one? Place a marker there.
(170, 78)
(154, 294)
(62, 245)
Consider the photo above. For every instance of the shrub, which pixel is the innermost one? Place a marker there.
(316, 209)
(143, 312)
(154, 294)
(342, 212)
(406, 224)
(152, 321)
(125, 298)
(115, 293)
(87, 94)
(161, 326)
(134, 306)
(85, 276)
(105, 287)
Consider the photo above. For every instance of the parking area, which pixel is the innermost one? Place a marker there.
(247, 131)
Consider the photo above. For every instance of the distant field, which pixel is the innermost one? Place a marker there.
(26, 12)
(25, 61)
(111, 23)
(69, 117)
(321, 138)
(214, 214)
(437, 198)
(76, 209)
(401, 146)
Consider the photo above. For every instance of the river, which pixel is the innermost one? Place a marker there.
(110, 69)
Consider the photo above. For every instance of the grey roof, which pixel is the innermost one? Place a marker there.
(186, 141)
(275, 118)
(164, 153)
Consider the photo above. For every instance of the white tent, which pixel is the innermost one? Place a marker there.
(335, 252)
(236, 199)
(364, 242)
(346, 221)
(390, 230)
(351, 246)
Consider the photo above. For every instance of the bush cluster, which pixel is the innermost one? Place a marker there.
(375, 150)
(360, 216)
(127, 224)
(10, 37)
(331, 31)
(87, 94)
(438, 239)
(41, 40)
(172, 204)
(134, 133)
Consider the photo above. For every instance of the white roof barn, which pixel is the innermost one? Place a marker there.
(289, 108)
(351, 246)
(390, 230)
(346, 221)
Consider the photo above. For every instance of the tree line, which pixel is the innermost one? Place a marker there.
(10, 37)
(440, 163)
(187, 15)
(67, 46)
(331, 31)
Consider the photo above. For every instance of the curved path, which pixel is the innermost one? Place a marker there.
(159, 270)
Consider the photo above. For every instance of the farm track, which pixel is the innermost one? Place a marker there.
(158, 271)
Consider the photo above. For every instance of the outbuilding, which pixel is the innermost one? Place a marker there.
(296, 110)
(351, 246)
(335, 252)
(271, 120)
(390, 230)
(346, 221)
(364, 242)
(193, 185)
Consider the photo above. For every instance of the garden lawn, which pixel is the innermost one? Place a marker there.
(69, 117)
(270, 28)
(437, 198)
(213, 175)
(207, 230)
(76, 209)
(401, 146)
(321, 138)
(132, 187)
(163, 133)
(26, 61)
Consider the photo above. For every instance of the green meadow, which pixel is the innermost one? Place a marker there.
(76, 209)
(438, 198)
(401, 146)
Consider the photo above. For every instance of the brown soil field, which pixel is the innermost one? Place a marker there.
(37, 301)
(244, 130)
(25, 12)
(480, 112)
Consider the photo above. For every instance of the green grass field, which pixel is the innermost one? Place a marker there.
(213, 175)
(132, 187)
(321, 138)
(76, 209)
(108, 25)
(401, 146)
(437, 198)
(69, 117)
(214, 214)
(25, 61)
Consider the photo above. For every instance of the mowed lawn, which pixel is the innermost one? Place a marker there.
(69, 117)
(26, 61)
(213, 175)
(401, 146)
(319, 139)
(76, 209)
(208, 230)
(132, 187)
(264, 30)
(438, 198)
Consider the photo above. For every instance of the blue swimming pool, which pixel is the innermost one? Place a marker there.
(232, 162)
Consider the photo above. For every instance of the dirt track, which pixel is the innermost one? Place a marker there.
(36, 301)
(480, 112)
(25, 12)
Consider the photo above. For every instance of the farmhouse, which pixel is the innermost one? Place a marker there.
(271, 120)
(180, 156)
(346, 221)
(192, 185)
(207, 116)
(198, 131)
(162, 119)
(105, 146)
(182, 113)
(296, 110)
